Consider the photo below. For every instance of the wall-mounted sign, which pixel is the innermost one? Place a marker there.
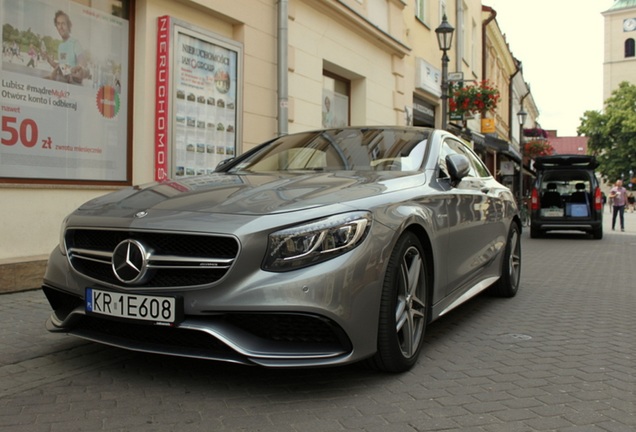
(428, 77)
(488, 125)
(198, 100)
(456, 76)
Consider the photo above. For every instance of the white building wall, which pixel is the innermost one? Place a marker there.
(617, 68)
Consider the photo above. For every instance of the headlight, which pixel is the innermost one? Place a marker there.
(315, 242)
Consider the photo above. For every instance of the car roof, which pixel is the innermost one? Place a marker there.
(565, 161)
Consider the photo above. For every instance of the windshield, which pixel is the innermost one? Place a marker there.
(382, 149)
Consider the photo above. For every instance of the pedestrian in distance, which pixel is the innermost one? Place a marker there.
(631, 201)
(618, 195)
(32, 56)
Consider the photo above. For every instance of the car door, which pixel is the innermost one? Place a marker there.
(475, 214)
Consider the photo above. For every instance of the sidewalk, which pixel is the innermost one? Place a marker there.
(630, 222)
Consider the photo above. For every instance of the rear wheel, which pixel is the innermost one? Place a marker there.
(535, 232)
(508, 283)
(598, 233)
(403, 308)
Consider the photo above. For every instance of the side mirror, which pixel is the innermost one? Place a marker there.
(223, 163)
(458, 167)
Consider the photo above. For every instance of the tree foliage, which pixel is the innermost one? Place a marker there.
(612, 134)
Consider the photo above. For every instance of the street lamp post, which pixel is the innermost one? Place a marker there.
(444, 39)
(521, 116)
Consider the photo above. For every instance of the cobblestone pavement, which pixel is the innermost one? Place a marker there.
(560, 356)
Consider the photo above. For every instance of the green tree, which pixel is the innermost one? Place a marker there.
(612, 134)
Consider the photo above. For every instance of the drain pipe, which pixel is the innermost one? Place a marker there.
(459, 39)
(484, 53)
(518, 69)
(283, 92)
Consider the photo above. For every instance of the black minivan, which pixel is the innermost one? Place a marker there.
(566, 196)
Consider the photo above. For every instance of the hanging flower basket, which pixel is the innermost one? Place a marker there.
(538, 147)
(474, 99)
(535, 133)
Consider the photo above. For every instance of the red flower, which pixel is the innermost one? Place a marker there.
(474, 98)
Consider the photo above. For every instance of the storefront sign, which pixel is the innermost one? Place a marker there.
(162, 98)
(428, 77)
(197, 100)
(488, 126)
(64, 100)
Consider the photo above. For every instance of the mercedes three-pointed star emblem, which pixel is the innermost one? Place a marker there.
(129, 262)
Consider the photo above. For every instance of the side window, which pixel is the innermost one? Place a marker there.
(451, 146)
(445, 151)
(478, 169)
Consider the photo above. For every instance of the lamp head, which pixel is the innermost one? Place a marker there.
(444, 34)
(521, 115)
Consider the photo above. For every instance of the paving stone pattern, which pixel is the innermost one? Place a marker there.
(561, 356)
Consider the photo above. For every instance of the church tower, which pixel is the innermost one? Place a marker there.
(619, 63)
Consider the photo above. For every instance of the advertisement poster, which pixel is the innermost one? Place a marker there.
(64, 91)
(205, 102)
(335, 109)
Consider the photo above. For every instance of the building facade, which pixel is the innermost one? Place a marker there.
(175, 87)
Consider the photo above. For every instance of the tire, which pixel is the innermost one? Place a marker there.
(508, 283)
(403, 308)
(598, 233)
(535, 232)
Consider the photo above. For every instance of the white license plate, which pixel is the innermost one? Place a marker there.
(132, 306)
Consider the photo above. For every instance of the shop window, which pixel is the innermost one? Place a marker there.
(336, 92)
(66, 97)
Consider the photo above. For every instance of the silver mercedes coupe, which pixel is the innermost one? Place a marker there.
(314, 249)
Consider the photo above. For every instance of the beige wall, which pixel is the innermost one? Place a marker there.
(317, 43)
(319, 38)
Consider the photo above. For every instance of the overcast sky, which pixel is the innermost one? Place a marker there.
(560, 43)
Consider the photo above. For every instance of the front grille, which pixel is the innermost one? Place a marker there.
(175, 259)
(144, 334)
(293, 328)
(275, 335)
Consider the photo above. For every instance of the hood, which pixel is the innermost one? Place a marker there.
(253, 194)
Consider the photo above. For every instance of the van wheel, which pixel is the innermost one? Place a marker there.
(535, 232)
(598, 233)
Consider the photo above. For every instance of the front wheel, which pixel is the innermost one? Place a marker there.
(508, 283)
(403, 307)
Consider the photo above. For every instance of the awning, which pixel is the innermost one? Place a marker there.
(491, 142)
(512, 153)
(496, 144)
(503, 147)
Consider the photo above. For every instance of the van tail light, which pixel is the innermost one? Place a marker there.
(598, 200)
(534, 200)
